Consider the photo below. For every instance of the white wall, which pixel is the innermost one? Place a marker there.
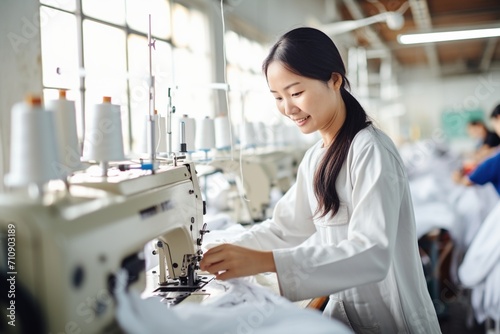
(425, 97)
(273, 18)
(20, 64)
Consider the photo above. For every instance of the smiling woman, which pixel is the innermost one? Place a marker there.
(337, 231)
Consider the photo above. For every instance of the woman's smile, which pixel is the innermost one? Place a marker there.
(301, 121)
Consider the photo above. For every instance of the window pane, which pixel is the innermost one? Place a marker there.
(234, 76)
(199, 38)
(246, 56)
(139, 80)
(190, 29)
(104, 54)
(59, 64)
(109, 10)
(258, 56)
(232, 47)
(191, 69)
(138, 12)
(192, 75)
(105, 68)
(180, 26)
(69, 5)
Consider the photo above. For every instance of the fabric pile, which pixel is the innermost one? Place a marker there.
(480, 269)
(245, 308)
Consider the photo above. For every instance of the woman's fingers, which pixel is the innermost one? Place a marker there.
(230, 261)
(213, 255)
(218, 267)
(226, 275)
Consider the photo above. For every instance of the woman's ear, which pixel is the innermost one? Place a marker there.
(336, 80)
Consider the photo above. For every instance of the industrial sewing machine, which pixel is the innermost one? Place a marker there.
(261, 170)
(68, 246)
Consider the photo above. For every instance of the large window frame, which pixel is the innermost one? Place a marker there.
(136, 92)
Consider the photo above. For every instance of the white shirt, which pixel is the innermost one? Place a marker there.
(366, 256)
(480, 269)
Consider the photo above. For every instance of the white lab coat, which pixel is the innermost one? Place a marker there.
(365, 257)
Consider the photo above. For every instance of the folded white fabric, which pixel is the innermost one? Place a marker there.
(480, 269)
(246, 308)
(484, 251)
(430, 216)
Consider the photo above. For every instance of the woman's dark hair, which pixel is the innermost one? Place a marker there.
(310, 53)
(476, 122)
(495, 112)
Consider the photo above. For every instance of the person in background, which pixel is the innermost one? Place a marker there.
(346, 228)
(488, 140)
(487, 171)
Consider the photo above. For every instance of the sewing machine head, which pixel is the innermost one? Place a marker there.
(66, 252)
(260, 171)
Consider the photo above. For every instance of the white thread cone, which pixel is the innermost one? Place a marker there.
(69, 151)
(33, 145)
(247, 137)
(205, 134)
(160, 142)
(222, 133)
(103, 138)
(189, 131)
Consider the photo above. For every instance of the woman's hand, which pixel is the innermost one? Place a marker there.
(229, 261)
(457, 176)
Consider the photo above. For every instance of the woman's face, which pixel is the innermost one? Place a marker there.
(311, 104)
(476, 131)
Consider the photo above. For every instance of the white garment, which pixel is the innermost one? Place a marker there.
(246, 308)
(480, 269)
(366, 256)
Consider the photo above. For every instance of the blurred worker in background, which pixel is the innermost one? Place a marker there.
(488, 171)
(488, 140)
(346, 228)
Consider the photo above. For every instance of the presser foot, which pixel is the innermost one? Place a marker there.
(174, 292)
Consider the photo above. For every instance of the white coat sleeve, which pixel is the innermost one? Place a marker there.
(364, 256)
(291, 223)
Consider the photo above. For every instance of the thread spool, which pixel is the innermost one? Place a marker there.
(162, 134)
(69, 151)
(261, 137)
(205, 134)
(103, 138)
(33, 145)
(222, 133)
(160, 141)
(247, 137)
(188, 131)
(277, 135)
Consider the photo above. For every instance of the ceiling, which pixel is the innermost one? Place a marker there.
(444, 58)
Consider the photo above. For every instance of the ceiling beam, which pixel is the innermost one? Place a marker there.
(422, 17)
(357, 13)
(485, 63)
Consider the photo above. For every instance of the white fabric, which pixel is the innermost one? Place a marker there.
(245, 308)
(440, 203)
(366, 256)
(480, 269)
(472, 205)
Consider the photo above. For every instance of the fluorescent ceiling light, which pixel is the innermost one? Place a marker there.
(433, 37)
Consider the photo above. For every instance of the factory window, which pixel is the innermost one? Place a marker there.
(249, 98)
(191, 57)
(100, 48)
